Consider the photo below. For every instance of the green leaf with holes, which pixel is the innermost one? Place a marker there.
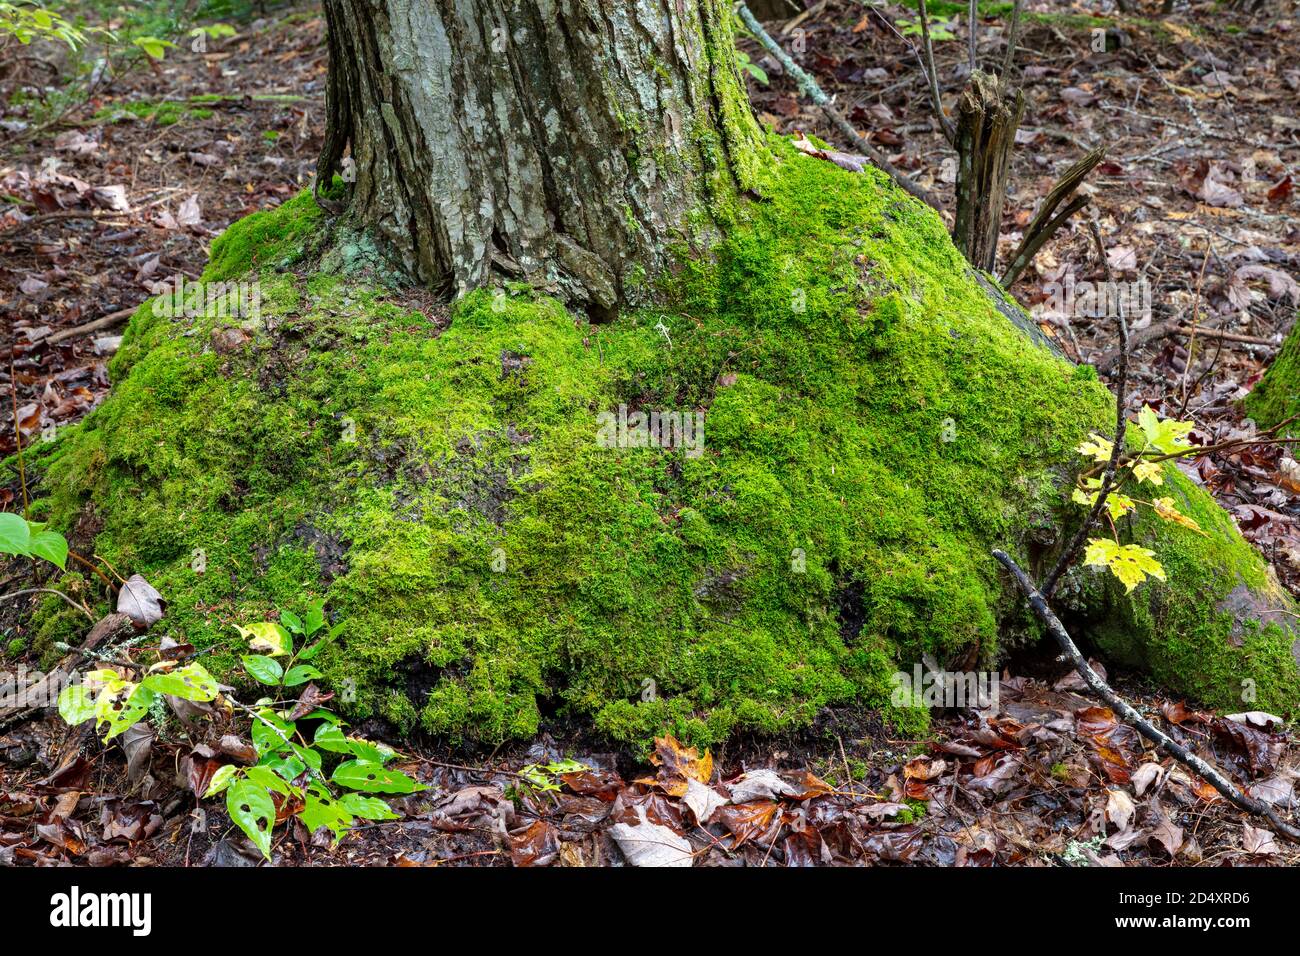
(253, 811)
(320, 811)
(122, 706)
(372, 777)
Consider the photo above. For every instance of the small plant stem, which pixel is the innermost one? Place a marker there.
(80, 607)
(18, 433)
(1117, 450)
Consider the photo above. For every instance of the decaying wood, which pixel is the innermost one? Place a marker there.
(1048, 220)
(110, 628)
(988, 115)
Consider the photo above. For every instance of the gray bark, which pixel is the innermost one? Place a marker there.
(565, 142)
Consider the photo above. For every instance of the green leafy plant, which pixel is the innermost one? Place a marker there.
(750, 67)
(1160, 440)
(153, 47)
(273, 640)
(25, 22)
(30, 539)
(545, 776)
(293, 740)
(939, 29)
(115, 703)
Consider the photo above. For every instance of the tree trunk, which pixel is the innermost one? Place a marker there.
(568, 142)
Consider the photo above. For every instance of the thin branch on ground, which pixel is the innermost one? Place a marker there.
(25, 591)
(1038, 603)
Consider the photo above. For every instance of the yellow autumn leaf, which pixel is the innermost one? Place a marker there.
(266, 637)
(1131, 563)
(1096, 448)
(1148, 471)
(1166, 509)
(1118, 505)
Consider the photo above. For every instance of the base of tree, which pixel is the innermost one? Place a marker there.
(873, 427)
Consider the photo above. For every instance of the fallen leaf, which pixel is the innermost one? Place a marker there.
(140, 602)
(651, 844)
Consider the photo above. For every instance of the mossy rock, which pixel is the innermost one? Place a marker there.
(1276, 397)
(874, 426)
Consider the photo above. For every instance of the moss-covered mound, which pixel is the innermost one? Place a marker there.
(1277, 396)
(872, 427)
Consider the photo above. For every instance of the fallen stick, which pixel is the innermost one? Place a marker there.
(1175, 327)
(808, 86)
(1103, 690)
(110, 628)
(104, 322)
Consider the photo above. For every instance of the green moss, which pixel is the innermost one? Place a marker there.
(158, 112)
(1277, 396)
(272, 239)
(873, 428)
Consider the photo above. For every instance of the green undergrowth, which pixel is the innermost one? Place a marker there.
(873, 428)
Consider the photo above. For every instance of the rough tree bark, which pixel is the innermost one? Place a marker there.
(567, 141)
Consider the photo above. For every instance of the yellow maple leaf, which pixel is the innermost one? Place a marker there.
(1148, 471)
(1131, 563)
(1097, 448)
(1118, 505)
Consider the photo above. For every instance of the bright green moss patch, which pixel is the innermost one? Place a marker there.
(1277, 396)
(872, 428)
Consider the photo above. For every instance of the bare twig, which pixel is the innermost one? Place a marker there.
(80, 607)
(1013, 38)
(973, 38)
(1038, 603)
(932, 78)
(1117, 450)
(808, 86)
(104, 322)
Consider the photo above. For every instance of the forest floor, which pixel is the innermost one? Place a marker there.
(125, 188)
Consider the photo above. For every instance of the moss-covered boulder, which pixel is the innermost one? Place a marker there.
(1277, 395)
(873, 425)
